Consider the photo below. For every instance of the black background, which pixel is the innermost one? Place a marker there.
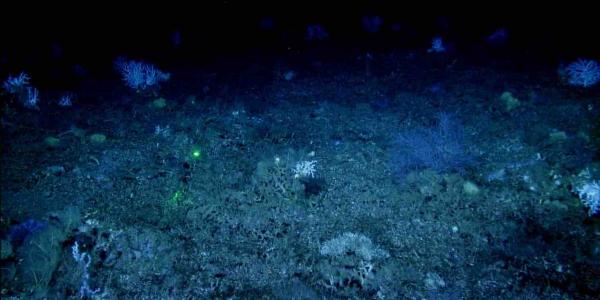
(43, 36)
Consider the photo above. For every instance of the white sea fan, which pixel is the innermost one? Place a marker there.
(162, 131)
(356, 243)
(139, 75)
(437, 45)
(305, 169)
(65, 100)
(589, 194)
(583, 72)
(32, 98)
(14, 85)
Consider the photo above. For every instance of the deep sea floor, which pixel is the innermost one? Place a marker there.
(399, 176)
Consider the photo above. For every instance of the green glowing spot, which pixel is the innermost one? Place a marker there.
(196, 153)
(176, 198)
